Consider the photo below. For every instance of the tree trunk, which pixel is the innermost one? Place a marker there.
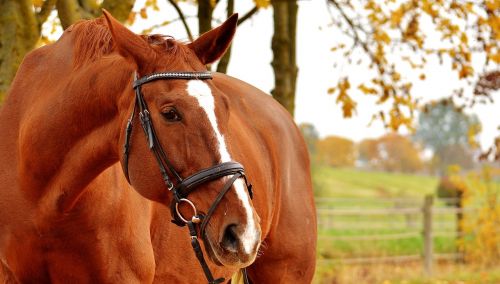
(20, 27)
(205, 11)
(283, 46)
(224, 61)
(120, 9)
(19, 33)
(70, 11)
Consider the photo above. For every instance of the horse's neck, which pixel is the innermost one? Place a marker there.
(70, 133)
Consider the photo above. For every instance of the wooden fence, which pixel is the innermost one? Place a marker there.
(421, 218)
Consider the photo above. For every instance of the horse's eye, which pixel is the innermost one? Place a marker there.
(172, 115)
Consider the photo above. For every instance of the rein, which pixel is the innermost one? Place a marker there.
(180, 187)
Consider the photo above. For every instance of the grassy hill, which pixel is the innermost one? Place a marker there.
(346, 182)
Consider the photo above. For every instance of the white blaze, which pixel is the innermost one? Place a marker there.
(203, 94)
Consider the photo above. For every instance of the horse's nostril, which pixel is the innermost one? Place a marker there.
(230, 238)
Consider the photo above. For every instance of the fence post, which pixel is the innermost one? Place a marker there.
(427, 234)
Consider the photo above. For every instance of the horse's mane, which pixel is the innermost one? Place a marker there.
(93, 40)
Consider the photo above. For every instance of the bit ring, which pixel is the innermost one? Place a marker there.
(194, 218)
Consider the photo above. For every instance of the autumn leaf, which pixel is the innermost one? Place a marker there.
(466, 71)
(131, 18)
(262, 3)
(396, 16)
(495, 57)
(348, 105)
(367, 90)
(143, 13)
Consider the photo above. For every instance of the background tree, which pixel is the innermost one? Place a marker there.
(389, 37)
(284, 57)
(391, 152)
(21, 25)
(335, 151)
(488, 83)
(311, 136)
(398, 153)
(449, 133)
(368, 152)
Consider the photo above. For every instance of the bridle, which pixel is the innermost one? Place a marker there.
(180, 187)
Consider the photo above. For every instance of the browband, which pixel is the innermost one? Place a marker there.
(199, 75)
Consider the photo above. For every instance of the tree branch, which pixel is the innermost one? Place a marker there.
(44, 12)
(205, 11)
(248, 15)
(224, 61)
(70, 11)
(356, 37)
(183, 18)
(90, 6)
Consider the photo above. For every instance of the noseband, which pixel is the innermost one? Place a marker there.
(180, 187)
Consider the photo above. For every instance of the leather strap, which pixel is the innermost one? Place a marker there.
(199, 254)
(216, 202)
(182, 75)
(215, 172)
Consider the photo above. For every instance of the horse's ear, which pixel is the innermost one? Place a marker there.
(129, 44)
(211, 45)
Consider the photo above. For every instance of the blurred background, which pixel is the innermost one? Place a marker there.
(396, 99)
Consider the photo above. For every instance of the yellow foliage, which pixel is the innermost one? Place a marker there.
(492, 5)
(481, 243)
(143, 13)
(392, 33)
(381, 36)
(262, 3)
(335, 151)
(494, 56)
(348, 105)
(472, 134)
(37, 3)
(396, 16)
(131, 18)
(466, 71)
(367, 90)
(428, 7)
(153, 4)
(396, 76)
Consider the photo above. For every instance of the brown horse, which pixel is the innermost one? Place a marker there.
(67, 211)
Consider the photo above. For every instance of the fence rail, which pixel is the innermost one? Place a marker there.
(425, 218)
(391, 259)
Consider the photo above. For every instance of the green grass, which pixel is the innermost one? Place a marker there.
(337, 249)
(346, 182)
(352, 189)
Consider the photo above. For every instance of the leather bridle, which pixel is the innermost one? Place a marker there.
(180, 187)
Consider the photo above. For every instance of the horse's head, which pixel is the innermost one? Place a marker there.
(190, 119)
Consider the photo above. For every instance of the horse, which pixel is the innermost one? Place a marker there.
(86, 196)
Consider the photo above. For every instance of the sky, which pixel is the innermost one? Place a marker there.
(252, 55)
